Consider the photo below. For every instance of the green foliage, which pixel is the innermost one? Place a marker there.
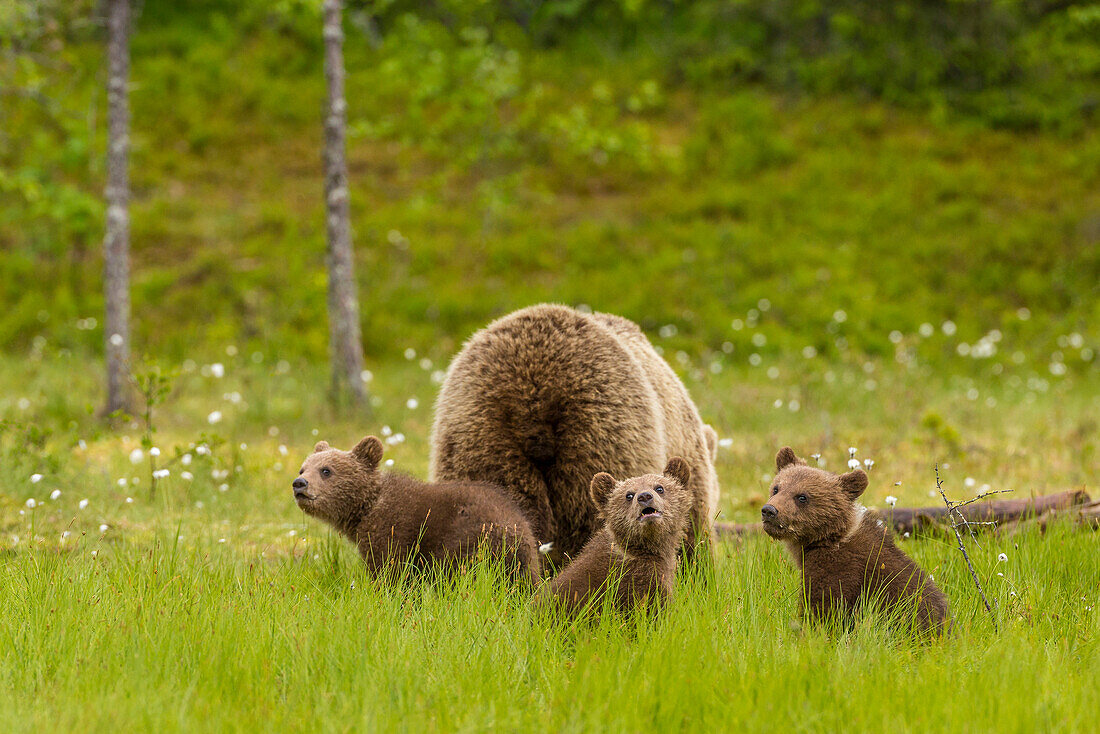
(492, 167)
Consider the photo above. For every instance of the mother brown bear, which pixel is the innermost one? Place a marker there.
(545, 398)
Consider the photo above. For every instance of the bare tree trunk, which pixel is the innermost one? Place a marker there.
(343, 305)
(116, 243)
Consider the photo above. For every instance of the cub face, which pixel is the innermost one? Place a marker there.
(646, 512)
(807, 504)
(332, 483)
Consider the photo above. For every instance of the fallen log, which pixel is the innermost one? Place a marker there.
(994, 513)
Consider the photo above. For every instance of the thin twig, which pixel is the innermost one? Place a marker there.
(951, 507)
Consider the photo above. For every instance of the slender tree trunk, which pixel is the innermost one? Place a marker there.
(343, 305)
(116, 243)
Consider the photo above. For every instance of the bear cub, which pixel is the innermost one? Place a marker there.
(644, 521)
(846, 552)
(394, 518)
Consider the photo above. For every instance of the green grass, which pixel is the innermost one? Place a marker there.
(205, 609)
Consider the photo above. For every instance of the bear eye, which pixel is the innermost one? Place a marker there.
(660, 489)
(629, 496)
(326, 472)
(302, 470)
(802, 499)
(775, 489)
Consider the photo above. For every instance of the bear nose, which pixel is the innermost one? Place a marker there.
(768, 511)
(645, 498)
(299, 483)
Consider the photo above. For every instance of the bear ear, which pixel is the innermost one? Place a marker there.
(601, 487)
(321, 446)
(786, 457)
(853, 483)
(711, 437)
(679, 470)
(368, 452)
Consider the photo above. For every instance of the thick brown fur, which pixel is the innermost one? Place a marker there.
(397, 519)
(645, 519)
(846, 553)
(543, 399)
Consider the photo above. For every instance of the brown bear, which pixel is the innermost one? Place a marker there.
(645, 519)
(396, 519)
(543, 399)
(846, 552)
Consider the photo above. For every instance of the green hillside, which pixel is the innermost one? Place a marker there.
(493, 167)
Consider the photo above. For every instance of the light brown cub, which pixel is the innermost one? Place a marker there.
(644, 521)
(395, 518)
(846, 552)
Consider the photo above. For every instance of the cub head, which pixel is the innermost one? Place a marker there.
(338, 486)
(646, 514)
(810, 505)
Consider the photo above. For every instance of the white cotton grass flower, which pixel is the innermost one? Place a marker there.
(129, 500)
(891, 500)
(852, 451)
(136, 456)
(186, 476)
(103, 528)
(161, 474)
(186, 459)
(412, 403)
(36, 478)
(214, 417)
(853, 463)
(283, 450)
(154, 451)
(55, 494)
(223, 487)
(82, 504)
(31, 503)
(386, 431)
(969, 482)
(868, 463)
(122, 482)
(388, 462)
(410, 354)
(202, 449)
(217, 370)
(1002, 558)
(116, 340)
(725, 443)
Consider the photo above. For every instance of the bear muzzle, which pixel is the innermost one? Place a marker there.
(769, 516)
(301, 490)
(649, 512)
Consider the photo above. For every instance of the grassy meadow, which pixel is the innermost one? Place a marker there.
(826, 268)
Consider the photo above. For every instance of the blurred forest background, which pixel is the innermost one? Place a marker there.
(898, 164)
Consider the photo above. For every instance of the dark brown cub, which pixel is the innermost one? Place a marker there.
(393, 518)
(846, 552)
(644, 521)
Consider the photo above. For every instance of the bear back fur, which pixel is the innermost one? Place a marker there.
(541, 400)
